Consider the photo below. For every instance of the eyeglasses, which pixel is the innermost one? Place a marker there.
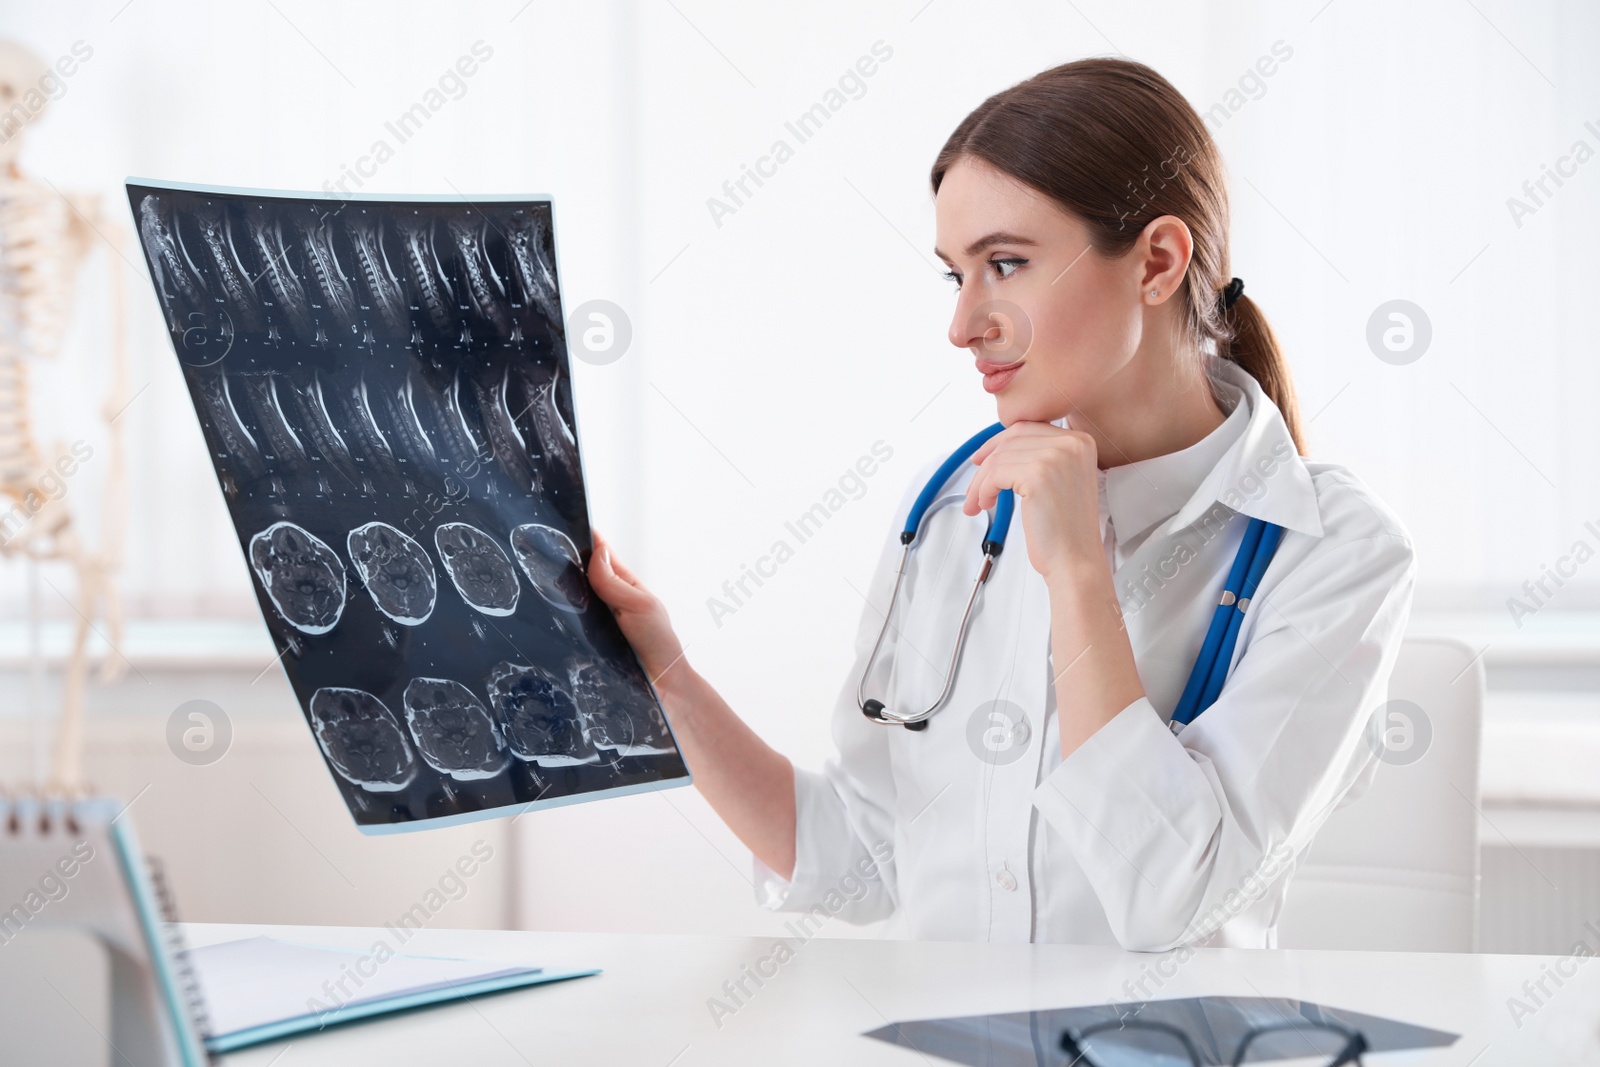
(1135, 1043)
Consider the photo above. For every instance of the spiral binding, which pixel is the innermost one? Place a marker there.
(22, 810)
(26, 811)
(177, 951)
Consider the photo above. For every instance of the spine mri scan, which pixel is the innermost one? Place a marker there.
(385, 393)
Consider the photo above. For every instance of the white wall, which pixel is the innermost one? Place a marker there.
(772, 350)
(287, 95)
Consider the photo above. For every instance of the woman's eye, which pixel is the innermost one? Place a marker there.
(1005, 267)
(952, 276)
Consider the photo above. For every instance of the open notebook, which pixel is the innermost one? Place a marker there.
(77, 864)
(262, 988)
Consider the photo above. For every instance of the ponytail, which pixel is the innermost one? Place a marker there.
(1248, 340)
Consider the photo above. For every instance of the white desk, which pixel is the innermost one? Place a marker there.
(649, 1007)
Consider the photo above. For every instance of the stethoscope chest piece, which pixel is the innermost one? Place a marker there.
(874, 709)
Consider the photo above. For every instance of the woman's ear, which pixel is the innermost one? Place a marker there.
(1161, 258)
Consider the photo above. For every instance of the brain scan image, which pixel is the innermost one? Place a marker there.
(538, 715)
(616, 715)
(478, 568)
(362, 739)
(303, 576)
(384, 390)
(453, 730)
(397, 571)
(552, 563)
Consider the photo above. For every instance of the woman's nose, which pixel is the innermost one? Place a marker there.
(968, 326)
(996, 330)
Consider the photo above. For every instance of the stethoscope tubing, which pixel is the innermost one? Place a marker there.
(999, 521)
(994, 540)
(1256, 549)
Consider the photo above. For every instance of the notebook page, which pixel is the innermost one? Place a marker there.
(259, 981)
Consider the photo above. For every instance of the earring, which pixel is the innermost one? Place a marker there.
(1155, 292)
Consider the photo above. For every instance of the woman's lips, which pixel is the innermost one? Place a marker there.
(996, 376)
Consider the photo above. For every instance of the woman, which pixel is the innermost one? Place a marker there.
(1148, 415)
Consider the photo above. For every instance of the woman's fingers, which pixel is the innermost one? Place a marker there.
(984, 489)
(974, 487)
(642, 618)
(1009, 436)
(602, 554)
(603, 573)
(621, 569)
(616, 584)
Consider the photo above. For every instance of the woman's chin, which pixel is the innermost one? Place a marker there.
(1009, 409)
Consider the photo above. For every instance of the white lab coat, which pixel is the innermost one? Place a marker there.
(974, 829)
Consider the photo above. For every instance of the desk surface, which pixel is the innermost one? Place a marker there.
(653, 1003)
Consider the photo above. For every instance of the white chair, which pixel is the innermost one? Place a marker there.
(1397, 868)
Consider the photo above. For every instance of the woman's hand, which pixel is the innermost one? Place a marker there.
(1052, 472)
(745, 780)
(641, 616)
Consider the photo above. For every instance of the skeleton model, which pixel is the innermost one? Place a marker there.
(44, 238)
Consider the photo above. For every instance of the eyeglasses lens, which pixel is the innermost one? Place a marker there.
(1133, 1046)
(1308, 1044)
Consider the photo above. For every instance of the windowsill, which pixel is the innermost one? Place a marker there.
(1547, 639)
(1539, 748)
(1550, 638)
(158, 644)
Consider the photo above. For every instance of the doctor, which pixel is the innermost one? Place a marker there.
(1148, 415)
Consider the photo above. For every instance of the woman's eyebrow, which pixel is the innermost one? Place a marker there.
(989, 241)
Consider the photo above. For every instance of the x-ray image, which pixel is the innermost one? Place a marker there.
(361, 740)
(454, 731)
(385, 391)
(303, 577)
(479, 568)
(396, 571)
(551, 561)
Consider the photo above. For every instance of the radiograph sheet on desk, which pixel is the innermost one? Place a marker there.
(384, 389)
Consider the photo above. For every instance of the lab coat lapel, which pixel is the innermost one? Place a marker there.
(1261, 475)
(1168, 587)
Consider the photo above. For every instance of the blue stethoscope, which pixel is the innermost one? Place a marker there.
(1216, 653)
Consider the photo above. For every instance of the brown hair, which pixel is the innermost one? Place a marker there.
(1116, 145)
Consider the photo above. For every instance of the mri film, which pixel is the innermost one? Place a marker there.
(303, 577)
(541, 716)
(453, 730)
(478, 568)
(396, 571)
(384, 389)
(553, 566)
(362, 740)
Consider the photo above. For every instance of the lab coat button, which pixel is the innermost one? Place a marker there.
(1006, 880)
(1020, 733)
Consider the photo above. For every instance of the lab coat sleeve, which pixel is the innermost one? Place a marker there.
(1178, 833)
(844, 814)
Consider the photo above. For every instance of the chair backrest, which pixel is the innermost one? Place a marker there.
(1396, 868)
